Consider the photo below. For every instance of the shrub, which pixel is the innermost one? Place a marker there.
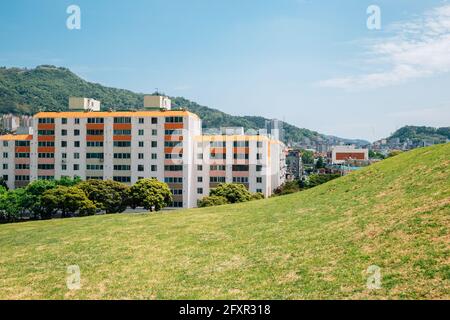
(150, 194)
(233, 192)
(257, 196)
(211, 201)
(287, 188)
(109, 196)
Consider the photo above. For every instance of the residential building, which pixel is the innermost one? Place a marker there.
(126, 146)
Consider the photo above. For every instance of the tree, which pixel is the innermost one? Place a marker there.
(3, 183)
(11, 207)
(150, 194)
(109, 196)
(287, 188)
(307, 157)
(67, 200)
(68, 182)
(233, 192)
(318, 179)
(320, 163)
(211, 201)
(32, 201)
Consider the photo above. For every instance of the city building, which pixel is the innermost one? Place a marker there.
(126, 146)
(274, 128)
(294, 164)
(342, 154)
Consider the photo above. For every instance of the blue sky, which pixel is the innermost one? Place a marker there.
(314, 64)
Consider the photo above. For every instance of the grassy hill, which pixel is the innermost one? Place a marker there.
(314, 244)
(26, 91)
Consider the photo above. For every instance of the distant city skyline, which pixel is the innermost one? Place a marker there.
(313, 64)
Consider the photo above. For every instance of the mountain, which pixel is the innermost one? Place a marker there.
(47, 88)
(323, 243)
(415, 134)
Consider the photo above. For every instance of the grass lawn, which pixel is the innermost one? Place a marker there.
(314, 244)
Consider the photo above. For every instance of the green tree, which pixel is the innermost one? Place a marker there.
(287, 188)
(150, 194)
(233, 192)
(3, 183)
(318, 179)
(320, 163)
(307, 157)
(68, 182)
(211, 201)
(11, 204)
(67, 200)
(109, 196)
(32, 200)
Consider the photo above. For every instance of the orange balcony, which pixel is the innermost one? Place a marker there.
(46, 126)
(122, 138)
(95, 126)
(122, 126)
(170, 126)
(94, 138)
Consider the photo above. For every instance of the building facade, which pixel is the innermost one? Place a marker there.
(341, 154)
(126, 146)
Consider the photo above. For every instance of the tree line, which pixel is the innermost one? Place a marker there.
(46, 199)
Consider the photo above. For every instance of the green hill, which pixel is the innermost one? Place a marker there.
(26, 91)
(416, 133)
(314, 244)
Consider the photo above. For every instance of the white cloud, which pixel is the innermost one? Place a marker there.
(418, 48)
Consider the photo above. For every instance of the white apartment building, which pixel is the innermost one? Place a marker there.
(129, 145)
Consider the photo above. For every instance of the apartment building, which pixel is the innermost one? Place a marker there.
(126, 146)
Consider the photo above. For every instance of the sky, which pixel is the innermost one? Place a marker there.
(314, 64)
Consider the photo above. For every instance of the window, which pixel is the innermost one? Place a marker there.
(259, 144)
(76, 121)
(46, 120)
(122, 132)
(174, 119)
(64, 120)
(217, 144)
(64, 167)
(154, 132)
(76, 144)
(122, 179)
(46, 132)
(216, 179)
(140, 167)
(218, 155)
(154, 156)
(46, 144)
(258, 179)
(122, 144)
(240, 144)
(122, 120)
(217, 168)
(259, 190)
(141, 144)
(258, 168)
(5, 155)
(173, 168)
(199, 167)
(76, 132)
(240, 179)
(94, 167)
(63, 144)
(46, 155)
(5, 166)
(43, 166)
(153, 167)
(258, 156)
(64, 132)
(94, 144)
(24, 155)
(122, 155)
(199, 156)
(18, 178)
(76, 167)
(22, 143)
(173, 180)
(94, 132)
(177, 204)
(122, 167)
(240, 168)
(76, 155)
(154, 120)
(64, 155)
(199, 179)
(140, 156)
(154, 144)
(141, 132)
(95, 120)
(94, 155)
(176, 132)
(177, 192)
(5, 143)
(200, 190)
(5, 177)
(141, 120)
(240, 156)
(171, 144)
(22, 166)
